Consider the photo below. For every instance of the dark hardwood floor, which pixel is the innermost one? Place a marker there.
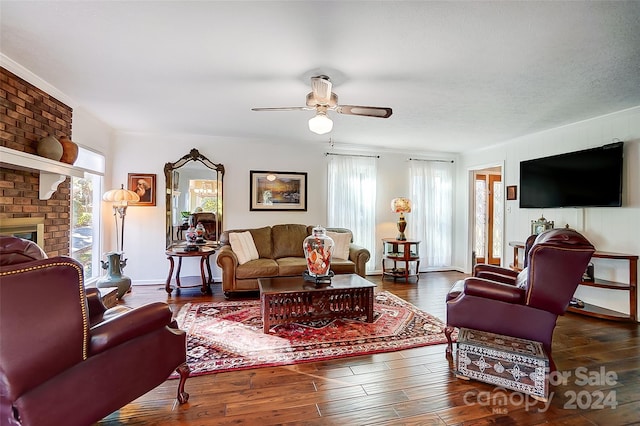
(411, 387)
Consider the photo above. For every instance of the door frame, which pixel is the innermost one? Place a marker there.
(471, 172)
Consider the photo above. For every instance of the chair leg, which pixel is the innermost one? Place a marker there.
(183, 370)
(448, 330)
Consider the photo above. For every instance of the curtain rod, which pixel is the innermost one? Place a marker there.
(352, 155)
(437, 161)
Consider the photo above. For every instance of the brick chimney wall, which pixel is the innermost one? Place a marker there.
(27, 114)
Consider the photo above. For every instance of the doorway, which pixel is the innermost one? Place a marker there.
(488, 215)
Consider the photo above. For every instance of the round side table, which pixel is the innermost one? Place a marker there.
(204, 253)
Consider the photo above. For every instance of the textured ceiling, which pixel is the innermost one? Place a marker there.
(458, 75)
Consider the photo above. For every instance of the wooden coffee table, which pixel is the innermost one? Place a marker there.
(291, 299)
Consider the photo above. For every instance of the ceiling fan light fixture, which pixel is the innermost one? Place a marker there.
(320, 123)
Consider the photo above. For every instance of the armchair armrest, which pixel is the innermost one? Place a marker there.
(493, 290)
(483, 267)
(131, 324)
(495, 273)
(360, 256)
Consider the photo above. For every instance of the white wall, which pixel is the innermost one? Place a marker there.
(609, 229)
(145, 153)
(91, 133)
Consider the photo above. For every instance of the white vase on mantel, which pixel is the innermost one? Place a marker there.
(50, 147)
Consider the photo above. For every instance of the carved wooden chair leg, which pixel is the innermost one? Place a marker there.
(184, 372)
(448, 330)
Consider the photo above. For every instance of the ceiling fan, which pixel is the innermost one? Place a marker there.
(322, 99)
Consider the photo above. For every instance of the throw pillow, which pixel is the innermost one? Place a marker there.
(243, 246)
(342, 241)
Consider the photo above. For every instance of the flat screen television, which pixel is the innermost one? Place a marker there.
(588, 178)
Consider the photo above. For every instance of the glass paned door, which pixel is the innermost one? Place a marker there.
(489, 206)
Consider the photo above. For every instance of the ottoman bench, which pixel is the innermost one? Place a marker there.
(505, 361)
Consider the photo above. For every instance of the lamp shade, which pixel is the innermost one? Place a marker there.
(401, 205)
(320, 124)
(120, 196)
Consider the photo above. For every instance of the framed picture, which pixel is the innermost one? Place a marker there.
(143, 184)
(512, 192)
(540, 225)
(277, 191)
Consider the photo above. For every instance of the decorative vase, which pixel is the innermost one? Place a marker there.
(191, 235)
(318, 248)
(114, 277)
(69, 150)
(200, 233)
(50, 147)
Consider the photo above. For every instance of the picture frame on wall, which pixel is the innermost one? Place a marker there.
(143, 184)
(512, 192)
(277, 191)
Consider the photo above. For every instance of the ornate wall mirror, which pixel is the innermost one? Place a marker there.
(193, 194)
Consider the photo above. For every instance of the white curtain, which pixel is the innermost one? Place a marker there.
(352, 199)
(431, 217)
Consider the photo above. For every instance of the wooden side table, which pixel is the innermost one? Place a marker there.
(403, 252)
(109, 296)
(204, 253)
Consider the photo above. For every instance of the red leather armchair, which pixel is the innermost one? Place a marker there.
(64, 358)
(525, 304)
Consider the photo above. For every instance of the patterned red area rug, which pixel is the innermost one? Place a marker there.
(224, 336)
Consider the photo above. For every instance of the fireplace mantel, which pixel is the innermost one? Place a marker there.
(52, 173)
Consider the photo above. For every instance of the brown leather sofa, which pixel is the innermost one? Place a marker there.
(64, 358)
(281, 254)
(525, 304)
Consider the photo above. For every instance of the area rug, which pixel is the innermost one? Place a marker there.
(225, 336)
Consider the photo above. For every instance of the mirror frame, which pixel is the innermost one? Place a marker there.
(193, 155)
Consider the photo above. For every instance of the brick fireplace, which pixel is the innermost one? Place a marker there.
(28, 114)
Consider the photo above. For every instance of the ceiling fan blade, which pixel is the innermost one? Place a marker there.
(380, 112)
(321, 89)
(283, 109)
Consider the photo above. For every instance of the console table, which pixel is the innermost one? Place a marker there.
(404, 252)
(594, 310)
(204, 253)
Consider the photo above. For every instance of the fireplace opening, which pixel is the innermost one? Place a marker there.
(29, 228)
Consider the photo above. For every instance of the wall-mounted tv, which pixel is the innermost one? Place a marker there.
(588, 178)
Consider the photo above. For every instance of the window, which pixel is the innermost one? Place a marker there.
(352, 199)
(86, 196)
(431, 221)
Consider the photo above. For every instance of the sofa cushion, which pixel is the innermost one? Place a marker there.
(243, 246)
(257, 268)
(287, 240)
(291, 266)
(341, 266)
(342, 241)
(262, 240)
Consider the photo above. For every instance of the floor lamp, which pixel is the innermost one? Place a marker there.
(114, 264)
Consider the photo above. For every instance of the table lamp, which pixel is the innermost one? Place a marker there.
(401, 205)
